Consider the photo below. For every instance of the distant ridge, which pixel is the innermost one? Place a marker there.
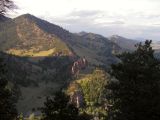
(3, 18)
(41, 56)
(125, 43)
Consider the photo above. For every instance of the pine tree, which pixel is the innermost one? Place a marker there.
(136, 95)
(7, 106)
(59, 108)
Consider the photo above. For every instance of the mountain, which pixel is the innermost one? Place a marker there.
(81, 45)
(23, 37)
(32, 36)
(127, 44)
(81, 33)
(156, 45)
(40, 55)
(97, 49)
(35, 60)
(3, 18)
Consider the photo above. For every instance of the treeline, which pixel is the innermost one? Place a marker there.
(88, 93)
(134, 94)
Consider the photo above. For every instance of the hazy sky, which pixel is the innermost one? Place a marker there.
(128, 18)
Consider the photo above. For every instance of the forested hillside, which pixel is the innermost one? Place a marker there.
(42, 58)
(41, 55)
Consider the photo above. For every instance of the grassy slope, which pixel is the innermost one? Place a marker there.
(23, 37)
(34, 40)
(97, 49)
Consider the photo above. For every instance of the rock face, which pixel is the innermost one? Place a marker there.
(79, 65)
(77, 99)
(76, 95)
(39, 53)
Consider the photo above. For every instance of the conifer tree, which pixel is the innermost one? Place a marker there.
(7, 105)
(136, 95)
(59, 108)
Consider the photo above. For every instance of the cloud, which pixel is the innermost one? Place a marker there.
(107, 23)
(88, 18)
(78, 18)
(86, 13)
(132, 18)
(134, 25)
(157, 24)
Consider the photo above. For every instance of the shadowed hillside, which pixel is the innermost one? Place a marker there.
(40, 76)
(32, 36)
(40, 55)
(126, 44)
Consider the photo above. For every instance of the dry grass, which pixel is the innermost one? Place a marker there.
(31, 53)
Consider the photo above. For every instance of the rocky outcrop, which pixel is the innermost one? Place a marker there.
(77, 99)
(79, 65)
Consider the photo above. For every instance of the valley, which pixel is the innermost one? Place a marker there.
(41, 57)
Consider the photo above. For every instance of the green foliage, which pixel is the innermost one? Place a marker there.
(59, 108)
(95, 111)
(93, 88)
(31, 117)
(136, 95)
(7, 105)
(21, 117)
(61, 65)
(23, 38)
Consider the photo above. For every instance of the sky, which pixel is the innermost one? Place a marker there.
(136, 19)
